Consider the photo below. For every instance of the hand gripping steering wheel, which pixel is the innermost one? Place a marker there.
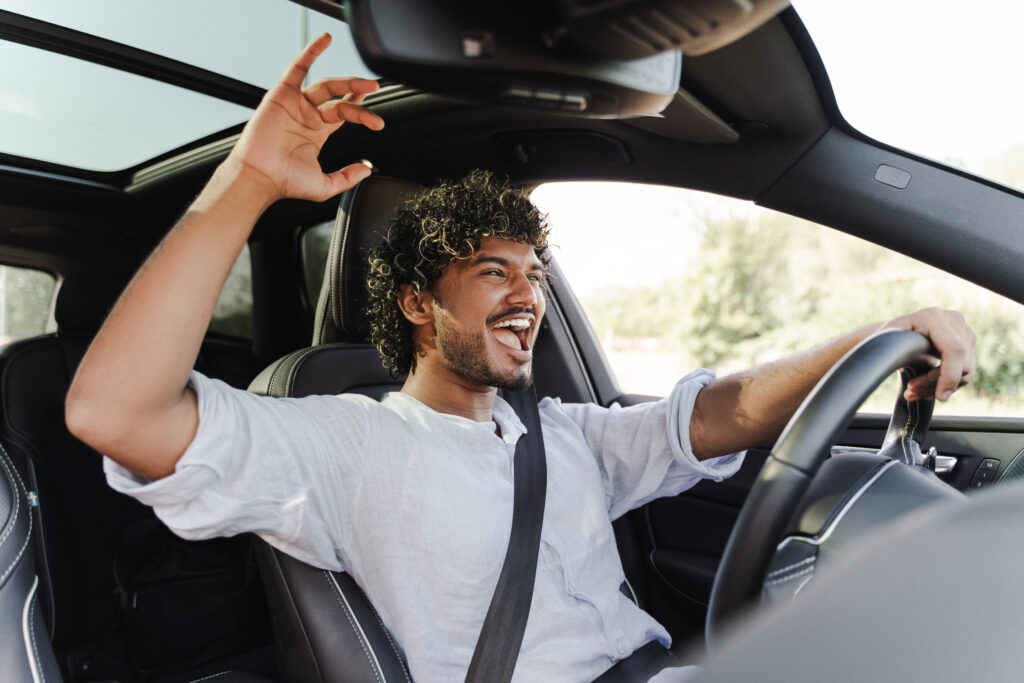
(800, 451)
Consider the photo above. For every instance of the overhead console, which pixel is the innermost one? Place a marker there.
(589, 58)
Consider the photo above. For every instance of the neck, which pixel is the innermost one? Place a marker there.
(437, 387)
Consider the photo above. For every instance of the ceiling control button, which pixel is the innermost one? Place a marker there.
(575, 102)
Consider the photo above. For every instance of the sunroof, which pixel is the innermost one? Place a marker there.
(63, 110)
(97, 118)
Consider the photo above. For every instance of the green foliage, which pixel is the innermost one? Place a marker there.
(762, 287)
(25, 299)
(732, 289)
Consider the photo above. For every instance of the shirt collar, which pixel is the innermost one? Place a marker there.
(509, 423)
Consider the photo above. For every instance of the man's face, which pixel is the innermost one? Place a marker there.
(487, 311)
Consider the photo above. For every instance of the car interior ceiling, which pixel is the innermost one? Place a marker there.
(94, 229)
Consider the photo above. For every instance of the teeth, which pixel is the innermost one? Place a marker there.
(520, 323)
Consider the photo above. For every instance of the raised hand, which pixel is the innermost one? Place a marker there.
(282, 141)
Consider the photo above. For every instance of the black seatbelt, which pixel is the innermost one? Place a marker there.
(497, 648)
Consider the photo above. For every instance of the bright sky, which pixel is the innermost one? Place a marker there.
(940, 78)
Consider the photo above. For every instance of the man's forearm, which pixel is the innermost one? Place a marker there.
(129, 398)
(747, 409)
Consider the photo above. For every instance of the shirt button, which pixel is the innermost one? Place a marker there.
(508, 438)
(622, 647)
(572, 589)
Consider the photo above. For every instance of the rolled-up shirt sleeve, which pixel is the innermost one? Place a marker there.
(251, 468)
(644, 451)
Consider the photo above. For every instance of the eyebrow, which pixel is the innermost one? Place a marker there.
(501, 261)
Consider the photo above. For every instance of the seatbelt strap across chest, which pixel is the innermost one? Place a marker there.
(501, 636)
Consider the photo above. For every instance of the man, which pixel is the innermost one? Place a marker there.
(412, 496)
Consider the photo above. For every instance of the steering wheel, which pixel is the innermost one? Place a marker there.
(800, 451)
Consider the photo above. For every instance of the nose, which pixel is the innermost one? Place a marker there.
(523, 291)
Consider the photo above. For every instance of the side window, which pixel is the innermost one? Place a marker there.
(26, 296)
(233, 313)
(685, 279)
(314, 244)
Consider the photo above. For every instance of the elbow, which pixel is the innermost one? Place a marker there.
(94, 419)
(110, 426)
(83, 420)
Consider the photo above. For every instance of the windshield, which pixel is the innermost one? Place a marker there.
(936, 78)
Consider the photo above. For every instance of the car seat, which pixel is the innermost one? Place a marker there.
(324, 627)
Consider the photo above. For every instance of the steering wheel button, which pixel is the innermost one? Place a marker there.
(989, 464)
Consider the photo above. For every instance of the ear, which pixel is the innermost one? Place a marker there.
(415, 306)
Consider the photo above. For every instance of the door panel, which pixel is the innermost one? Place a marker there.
(684, 537)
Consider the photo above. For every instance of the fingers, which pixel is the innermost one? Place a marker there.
(956, 344)
(340, 111)
(296, 72)
(328, 88)
(348, 177)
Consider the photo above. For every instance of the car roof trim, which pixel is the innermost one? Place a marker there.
(48, 175)
(170, 166)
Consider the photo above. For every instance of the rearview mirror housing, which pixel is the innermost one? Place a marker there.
(500, 54)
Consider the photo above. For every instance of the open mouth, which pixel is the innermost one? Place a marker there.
(514, 333)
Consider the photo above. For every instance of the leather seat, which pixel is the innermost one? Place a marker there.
(324, 627)
(24, 641)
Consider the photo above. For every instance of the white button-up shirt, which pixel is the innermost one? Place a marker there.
(417, 506)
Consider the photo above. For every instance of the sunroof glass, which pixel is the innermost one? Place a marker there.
(249, 40)
(63, 110)
(76, 113)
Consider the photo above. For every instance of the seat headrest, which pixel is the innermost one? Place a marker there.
(363, 217)
(85, 299)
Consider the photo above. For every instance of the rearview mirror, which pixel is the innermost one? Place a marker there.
(506, 54)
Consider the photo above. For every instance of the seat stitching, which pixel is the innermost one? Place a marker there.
(803, 572)
(28, 536)
(206, 678)
(32, 632)
(339, 300)
(792, 566)
(911, 417)
(17, 502)
(304, 354)
(352, 623)
(387, 634)
(277, 371)
(294, 369)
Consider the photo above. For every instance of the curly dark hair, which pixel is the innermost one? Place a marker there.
(429, 232)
